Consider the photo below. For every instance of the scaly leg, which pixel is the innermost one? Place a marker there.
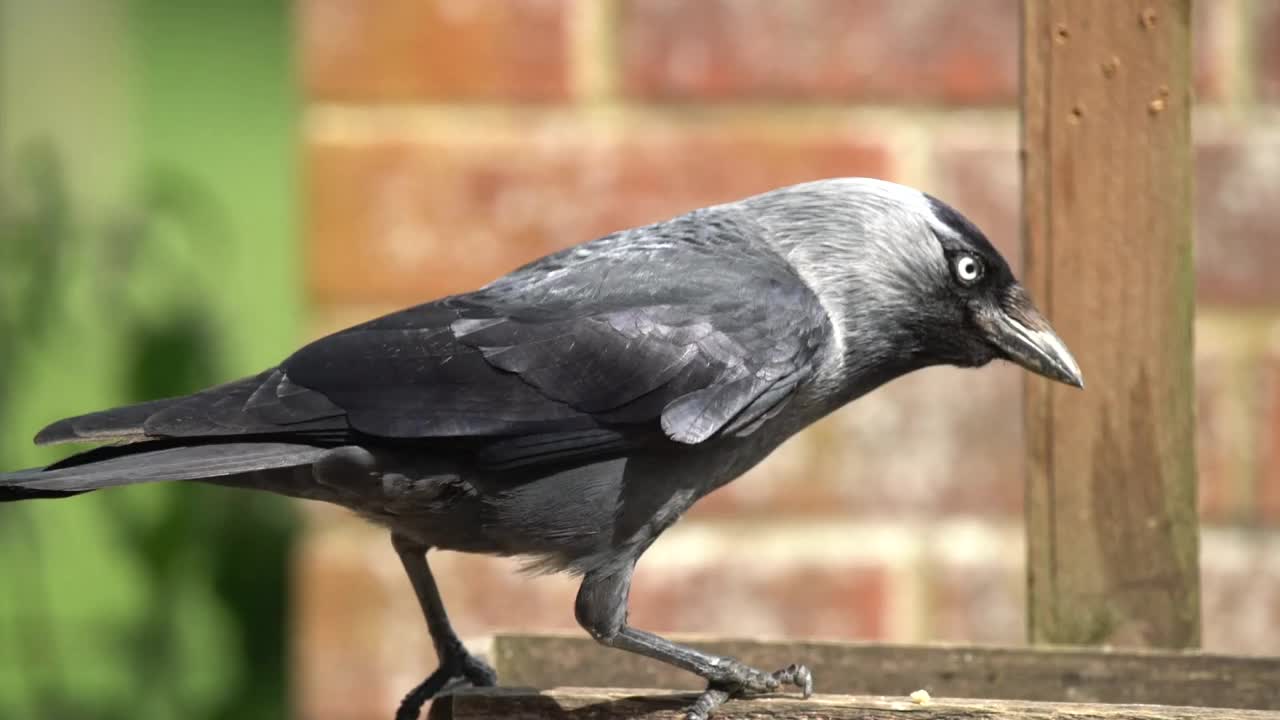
(601, 609)
(457, 666)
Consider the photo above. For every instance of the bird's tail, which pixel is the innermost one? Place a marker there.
(153, 462)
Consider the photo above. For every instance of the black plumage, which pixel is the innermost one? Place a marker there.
(718, 346)
(572, 410)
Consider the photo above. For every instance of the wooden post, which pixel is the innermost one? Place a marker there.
(1111, 492)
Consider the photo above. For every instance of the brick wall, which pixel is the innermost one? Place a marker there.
(449, 141)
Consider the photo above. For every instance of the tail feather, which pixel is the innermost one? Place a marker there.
(119, 424)
(131, 464)
(128, 423)
(263, 404)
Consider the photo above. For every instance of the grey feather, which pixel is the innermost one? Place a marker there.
(199, 462)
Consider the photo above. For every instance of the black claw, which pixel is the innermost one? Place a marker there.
(748, 680)
(707, 703)
(797, 675)
(411, 706)
(452, 674)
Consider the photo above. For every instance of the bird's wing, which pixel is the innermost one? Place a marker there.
(698, 334)
(695, 334)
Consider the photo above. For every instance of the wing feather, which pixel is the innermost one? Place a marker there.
(693, 328)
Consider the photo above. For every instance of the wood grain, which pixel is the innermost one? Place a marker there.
(1111, 489)
(602, 704)
(1043, 674)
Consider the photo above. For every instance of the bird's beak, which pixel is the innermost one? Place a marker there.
(1023, 335)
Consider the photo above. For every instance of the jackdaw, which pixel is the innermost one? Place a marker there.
(571, 411)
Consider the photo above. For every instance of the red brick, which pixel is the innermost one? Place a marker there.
(741, 599)
(947, 441)
(790, 482)
(1218, 448)
(867, 50)
(479, 591)
(765, 580)
(936, 443)
(732, 600)
(404, 50)
(404, 220)
(983, 605)
(977, 592)
(980, 177)
(1236, 216)
(1240, 592)
(1266, 29)
(1268, 490)
(1211, 57)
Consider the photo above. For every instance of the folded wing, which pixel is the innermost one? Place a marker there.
(686, 329)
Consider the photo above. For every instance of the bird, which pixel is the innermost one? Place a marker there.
(572, 410)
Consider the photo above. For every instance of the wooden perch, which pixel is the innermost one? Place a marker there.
(608, 704)
(1051, 674)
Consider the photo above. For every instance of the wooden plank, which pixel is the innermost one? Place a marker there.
(1043, 674)
(1111, 490)
(602, 704)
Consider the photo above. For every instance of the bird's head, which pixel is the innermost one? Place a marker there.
(909, 280)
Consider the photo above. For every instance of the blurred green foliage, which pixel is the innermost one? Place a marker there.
(146, 249)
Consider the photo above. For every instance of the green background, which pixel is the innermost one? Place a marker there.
(147, 248)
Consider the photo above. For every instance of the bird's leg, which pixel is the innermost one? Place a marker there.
(457, 666)
(601, 609)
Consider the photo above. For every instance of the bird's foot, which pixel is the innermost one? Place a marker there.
(739, 679)
(459, 669)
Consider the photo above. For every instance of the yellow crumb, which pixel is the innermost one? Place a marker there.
(921, 697)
